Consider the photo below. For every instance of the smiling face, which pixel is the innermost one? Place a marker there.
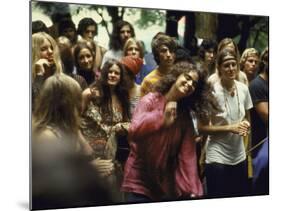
(47, 51)
(85, 59)
(186, 83)
(114, 75)
(228, 69)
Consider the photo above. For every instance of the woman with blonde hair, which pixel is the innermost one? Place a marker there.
(228, 43)
(45, 60)
(226, 164)
(62, 175)
(134, 48)
(59, 108)
(45, 55)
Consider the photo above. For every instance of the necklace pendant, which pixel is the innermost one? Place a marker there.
(232, 93)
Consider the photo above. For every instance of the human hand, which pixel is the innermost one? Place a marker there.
(246, 125)
(87, 95)
(198, 139)
(170, 113)
(104, 167)
(241, 128)
(41, 66)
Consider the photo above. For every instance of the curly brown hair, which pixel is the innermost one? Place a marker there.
(202, 99)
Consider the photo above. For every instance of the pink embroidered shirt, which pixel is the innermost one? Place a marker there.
(161, 164)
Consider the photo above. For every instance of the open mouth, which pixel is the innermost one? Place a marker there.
(50, 59)
(185, 90)
(112, 80)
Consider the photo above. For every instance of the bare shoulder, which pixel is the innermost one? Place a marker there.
(47, 135)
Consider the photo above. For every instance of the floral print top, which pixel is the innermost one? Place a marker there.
(99, 131)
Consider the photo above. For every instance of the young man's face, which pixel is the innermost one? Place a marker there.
(90, 33)
(251, 65)
(228, 70)
(69, 33)
(125, 33)
(210, 55)
(166, 56)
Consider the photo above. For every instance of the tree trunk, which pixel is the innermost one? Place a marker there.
(227, 26)
(245, 33)
(190, 41)
(113, 12)
(206, 25)
(172, 18)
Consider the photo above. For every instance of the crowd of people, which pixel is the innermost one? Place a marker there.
(122, 125)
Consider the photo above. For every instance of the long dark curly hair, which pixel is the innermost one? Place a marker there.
(104, 100)
(202, 100)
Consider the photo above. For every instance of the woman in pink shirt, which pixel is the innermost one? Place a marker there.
(162, 163)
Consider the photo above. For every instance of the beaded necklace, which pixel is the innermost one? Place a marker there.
(227, 104)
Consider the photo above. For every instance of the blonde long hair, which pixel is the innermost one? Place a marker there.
(131, 41)
(58, 105)
(37, 40)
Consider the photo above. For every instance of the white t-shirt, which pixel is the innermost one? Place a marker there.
(228, 148)
(111, 54)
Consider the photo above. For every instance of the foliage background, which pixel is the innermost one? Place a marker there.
(246, 30)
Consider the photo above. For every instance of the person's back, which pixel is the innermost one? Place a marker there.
(61, 178)
(62, 175)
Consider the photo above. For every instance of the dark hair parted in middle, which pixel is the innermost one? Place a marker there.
(84, 23)
(77, 49)
(205, 46)
(202, 99)
(115, 42)
(162, 40)
(103, 100)
(39, 26)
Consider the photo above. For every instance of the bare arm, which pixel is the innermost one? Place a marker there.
(240, 128)
(84, 146)
(87, 95)
(262, 110)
